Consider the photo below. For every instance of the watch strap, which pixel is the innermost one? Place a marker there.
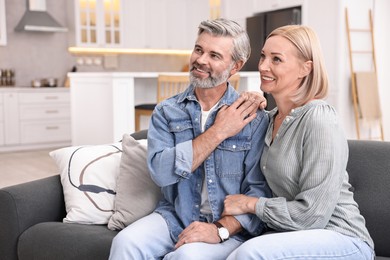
(219, 225)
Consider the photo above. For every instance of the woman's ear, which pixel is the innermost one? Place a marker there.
(306, 69)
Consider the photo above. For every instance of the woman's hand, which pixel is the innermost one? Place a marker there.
(239, 204)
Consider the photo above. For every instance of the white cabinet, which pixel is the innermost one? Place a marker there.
(102, 107)
(44, 117)
(3, 28)
(98, 23)
(163, 24)
(1, 120)
(32, 118)
(11, 118)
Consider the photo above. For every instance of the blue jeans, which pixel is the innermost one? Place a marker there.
(306, 244)
(148, 238)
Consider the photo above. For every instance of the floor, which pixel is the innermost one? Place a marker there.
(24, 166)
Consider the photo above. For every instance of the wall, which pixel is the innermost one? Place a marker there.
(327, 18)
(38, 55)
(359, 18)
(35, 54)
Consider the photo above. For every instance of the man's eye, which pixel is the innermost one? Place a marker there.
(198, 50)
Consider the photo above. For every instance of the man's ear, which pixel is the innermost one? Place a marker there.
(306, 69)
(237, 67)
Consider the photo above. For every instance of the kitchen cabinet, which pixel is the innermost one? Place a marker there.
(162, 24)
(3, 32)
(98, 23)
(34, 118)
(103, 103)
(1, 120)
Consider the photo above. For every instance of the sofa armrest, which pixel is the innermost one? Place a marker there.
(25, 205)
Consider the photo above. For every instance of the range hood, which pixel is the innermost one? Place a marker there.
(36, 18)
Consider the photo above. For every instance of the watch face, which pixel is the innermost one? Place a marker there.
(223, 233)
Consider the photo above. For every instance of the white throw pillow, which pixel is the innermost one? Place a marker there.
(137, 194)
(88, 176)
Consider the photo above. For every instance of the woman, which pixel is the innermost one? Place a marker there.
(304, 161)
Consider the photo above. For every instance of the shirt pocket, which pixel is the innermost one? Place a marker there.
(182, 130)
(229, 157)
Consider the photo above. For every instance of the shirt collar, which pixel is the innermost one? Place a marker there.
(227, 99)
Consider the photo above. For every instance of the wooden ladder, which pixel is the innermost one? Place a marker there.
(364, 83)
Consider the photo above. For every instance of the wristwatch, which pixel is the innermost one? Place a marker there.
(223, 233)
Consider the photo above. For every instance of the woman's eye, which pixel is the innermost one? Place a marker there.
(262, 57)
(276, 60)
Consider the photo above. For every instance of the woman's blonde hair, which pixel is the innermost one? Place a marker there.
(315, 84)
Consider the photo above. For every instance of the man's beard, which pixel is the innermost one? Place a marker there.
(212, 80)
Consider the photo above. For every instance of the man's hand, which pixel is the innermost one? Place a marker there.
(199, 232)
(232, 119)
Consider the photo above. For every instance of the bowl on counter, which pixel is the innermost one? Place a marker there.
(45, 82)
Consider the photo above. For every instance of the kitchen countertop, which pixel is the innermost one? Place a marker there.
(31, 89)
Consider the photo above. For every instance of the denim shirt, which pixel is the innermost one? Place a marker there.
(232, 168)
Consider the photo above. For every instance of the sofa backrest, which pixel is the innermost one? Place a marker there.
(369, 173)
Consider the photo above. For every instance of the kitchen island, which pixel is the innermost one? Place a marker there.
(102, 104)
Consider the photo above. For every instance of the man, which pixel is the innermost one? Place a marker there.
(203, 144)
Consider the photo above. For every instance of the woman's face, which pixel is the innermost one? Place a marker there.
(281, 71)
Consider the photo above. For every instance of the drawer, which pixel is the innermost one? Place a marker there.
(44, 98)
(28, 112)
(45, 132)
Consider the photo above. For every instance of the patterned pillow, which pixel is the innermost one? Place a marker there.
(88, 176)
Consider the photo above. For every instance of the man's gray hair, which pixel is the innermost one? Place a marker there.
(228, 28)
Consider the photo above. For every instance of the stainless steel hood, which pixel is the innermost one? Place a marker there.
(36, 18)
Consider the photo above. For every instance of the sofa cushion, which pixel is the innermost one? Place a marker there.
(88, 176)
(369, 172)
(137, 194)
(57, 240)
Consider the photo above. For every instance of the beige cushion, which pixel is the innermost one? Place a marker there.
(137, 194)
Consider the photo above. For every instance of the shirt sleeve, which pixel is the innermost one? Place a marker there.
(168, 162)
(254, 183)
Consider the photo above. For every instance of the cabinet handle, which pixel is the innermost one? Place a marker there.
(51, 111)
(52, 127)
(51, 97)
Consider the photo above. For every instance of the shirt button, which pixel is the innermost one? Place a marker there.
(234, 146)
(264, 167)
(196, 206)
(287, 120)
(277, 135)
(292, 110)
(177, 127)
(210, 181)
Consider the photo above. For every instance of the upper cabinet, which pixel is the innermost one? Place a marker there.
(99, 23)
(155, 24)
(3, 33)
(163, 24)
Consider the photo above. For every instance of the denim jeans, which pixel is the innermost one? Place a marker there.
(306, 244)
(148, 238)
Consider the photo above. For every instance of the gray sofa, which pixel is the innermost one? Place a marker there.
(31, 213)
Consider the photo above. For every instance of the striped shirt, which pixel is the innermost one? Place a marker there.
(305, 167)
